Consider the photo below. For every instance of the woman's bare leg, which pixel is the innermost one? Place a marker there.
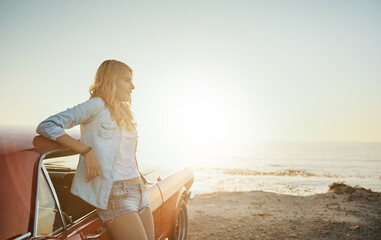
(147, 220)
(127, 226)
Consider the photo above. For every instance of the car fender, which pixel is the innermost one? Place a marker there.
(181, 193)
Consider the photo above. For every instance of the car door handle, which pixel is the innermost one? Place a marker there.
(96, 235)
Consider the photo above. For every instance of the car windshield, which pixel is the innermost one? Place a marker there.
(62, 163)
(61, 172)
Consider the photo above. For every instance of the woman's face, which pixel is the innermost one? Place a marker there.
(124, 88)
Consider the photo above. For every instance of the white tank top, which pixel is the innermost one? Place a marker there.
(125, 158)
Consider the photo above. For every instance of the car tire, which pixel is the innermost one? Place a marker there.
(180, 226)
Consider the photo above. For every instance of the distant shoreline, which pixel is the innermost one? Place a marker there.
(298, 182)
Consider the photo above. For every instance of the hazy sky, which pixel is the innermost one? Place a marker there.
(210, 76)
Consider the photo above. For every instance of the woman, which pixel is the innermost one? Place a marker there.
(107, 175)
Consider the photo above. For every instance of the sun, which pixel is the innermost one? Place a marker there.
(200, 119)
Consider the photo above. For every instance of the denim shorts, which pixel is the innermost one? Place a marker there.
(125, 197)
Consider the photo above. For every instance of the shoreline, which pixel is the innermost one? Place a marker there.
(344, 212)
(293, 181)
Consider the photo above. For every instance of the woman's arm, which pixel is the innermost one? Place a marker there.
(91, 163)
(72, 143)
(53, 128)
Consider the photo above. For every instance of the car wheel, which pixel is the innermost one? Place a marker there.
(180, 227)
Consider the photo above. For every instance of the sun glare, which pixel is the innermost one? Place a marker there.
(200, 119)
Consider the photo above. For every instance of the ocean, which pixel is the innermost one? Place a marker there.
(295, 168)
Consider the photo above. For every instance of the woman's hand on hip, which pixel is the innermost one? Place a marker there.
(92, 166)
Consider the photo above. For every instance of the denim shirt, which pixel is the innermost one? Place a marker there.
(99, 131)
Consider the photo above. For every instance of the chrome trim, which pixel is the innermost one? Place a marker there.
(25, 236)
(38, 187)
(55, 196)
(84, 216)
(96, 235)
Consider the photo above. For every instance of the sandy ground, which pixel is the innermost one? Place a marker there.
(342, 213)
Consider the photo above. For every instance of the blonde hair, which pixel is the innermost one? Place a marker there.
(104, 86)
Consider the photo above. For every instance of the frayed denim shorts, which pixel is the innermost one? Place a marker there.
(125, 197)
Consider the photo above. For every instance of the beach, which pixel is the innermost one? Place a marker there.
(343, 212)
(285, 190)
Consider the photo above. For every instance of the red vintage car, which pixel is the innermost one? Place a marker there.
(36, 203)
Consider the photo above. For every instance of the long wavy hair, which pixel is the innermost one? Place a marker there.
(104, 86)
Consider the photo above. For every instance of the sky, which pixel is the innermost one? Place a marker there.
(211, 77)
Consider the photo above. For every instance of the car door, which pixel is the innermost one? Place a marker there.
(50, 220)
